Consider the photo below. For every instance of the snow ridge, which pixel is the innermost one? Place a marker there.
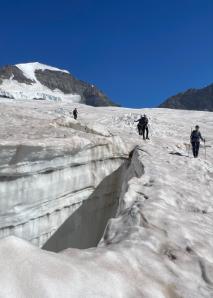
(29, 69)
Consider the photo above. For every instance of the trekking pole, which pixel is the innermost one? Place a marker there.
(205, 147)
(188, 149)
(189, 143)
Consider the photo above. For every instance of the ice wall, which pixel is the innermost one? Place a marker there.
(85, 227)
(42, 186)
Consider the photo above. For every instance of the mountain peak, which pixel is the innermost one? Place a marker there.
(35, 80)
(192, 99)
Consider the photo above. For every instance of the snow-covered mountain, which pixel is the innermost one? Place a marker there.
(141, 210)
(43, 82)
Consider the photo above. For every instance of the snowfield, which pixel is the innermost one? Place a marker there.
(158, 240)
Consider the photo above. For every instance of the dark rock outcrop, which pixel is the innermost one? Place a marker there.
(192, 99)
(65, 82)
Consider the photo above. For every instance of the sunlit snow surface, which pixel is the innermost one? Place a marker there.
(161, 242)
(29, 69)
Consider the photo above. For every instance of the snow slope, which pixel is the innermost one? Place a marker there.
(29, 69)
(160, 244)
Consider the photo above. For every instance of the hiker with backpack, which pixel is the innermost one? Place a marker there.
(195, 141)
(75, 114)
(143, 126)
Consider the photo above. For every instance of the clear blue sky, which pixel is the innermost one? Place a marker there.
(138, 52)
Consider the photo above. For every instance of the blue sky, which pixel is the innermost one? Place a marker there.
(138, 52)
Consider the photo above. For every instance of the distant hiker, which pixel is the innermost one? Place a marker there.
(195, 140)
(140, 124)
(75, 114)
(143, 126)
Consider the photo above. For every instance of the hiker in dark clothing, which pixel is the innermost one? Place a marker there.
(143, 126)
(75, 114)
(140, 124)
(195, 140)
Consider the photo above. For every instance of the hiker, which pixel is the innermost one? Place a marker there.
(195, 140)
(75, 114)
(143, 126)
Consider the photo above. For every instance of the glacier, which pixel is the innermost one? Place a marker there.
(116, 216)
